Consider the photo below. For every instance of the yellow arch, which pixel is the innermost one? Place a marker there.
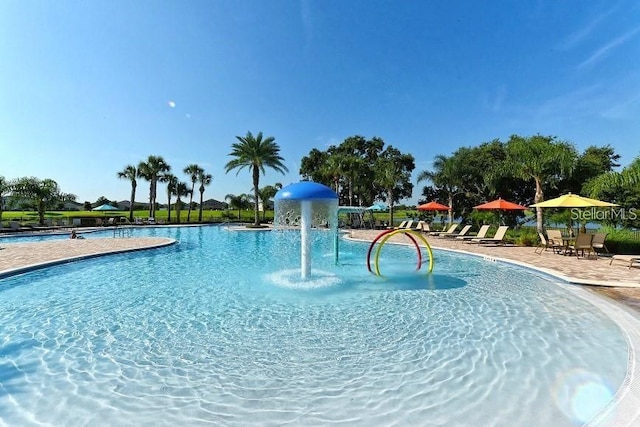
(414, 234)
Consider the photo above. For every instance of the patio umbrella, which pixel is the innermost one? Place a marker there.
(500, 204)
(105, 207)
(573, 201)
(377, 207)
(433, 206)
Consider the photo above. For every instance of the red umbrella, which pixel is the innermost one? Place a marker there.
(500, 204)
(433, 206)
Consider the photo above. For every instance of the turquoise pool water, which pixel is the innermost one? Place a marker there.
(219, 330)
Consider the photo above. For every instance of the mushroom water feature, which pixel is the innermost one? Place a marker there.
(307, 205)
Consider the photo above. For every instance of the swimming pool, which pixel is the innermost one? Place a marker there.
(218, 330)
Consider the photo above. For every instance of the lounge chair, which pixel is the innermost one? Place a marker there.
(482, 233)
(462, 233)
(582, 244)
(629, 259)
(407, 226)
(15, 226)
(401, 225)
(497, 238)
(451, 230)
(420, 226)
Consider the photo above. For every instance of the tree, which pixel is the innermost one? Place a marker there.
(393, 173)
(151, 170)
(240, 201)
(266, 193)
(172, 181)
(130, 172)
(256, 153)
(42, 193)
(102, 200)
(543, 159)
(204, 179)
(349, 168)
(181, 190)
(447, 175)
(5, 190)
(194, 171)
(593, 162)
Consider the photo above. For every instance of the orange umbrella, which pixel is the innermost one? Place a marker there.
(433, 206)
(500, 204)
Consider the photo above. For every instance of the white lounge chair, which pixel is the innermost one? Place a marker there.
(482, 233)
(629, 259)
(497, 238)
(462, 233)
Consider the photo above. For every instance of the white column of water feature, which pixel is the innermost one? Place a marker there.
(313, 205)
(305, 239)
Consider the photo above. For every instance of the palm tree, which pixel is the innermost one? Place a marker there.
(241, 201)
(205, 179)
(194, 171)
(130, 172)
(628, 178)
(256, 153)
(181, 189)
(151, 170)
(266, 193)
(447, 175)
(172, 181)
(388, 176)
(43, 193)
(542, 159)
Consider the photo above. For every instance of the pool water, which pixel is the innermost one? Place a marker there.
(220, 330)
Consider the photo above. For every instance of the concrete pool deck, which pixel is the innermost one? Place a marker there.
(20, 257)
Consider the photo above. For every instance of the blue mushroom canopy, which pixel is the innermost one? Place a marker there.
(306, 190)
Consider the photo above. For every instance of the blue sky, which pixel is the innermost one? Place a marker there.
(87, 87)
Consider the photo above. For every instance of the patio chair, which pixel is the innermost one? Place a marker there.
(462, 233)
(597, 243)
(497, 238)
(482, 233)
(555, 238)
(451, 230)
(548, 243)
(582, 244)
